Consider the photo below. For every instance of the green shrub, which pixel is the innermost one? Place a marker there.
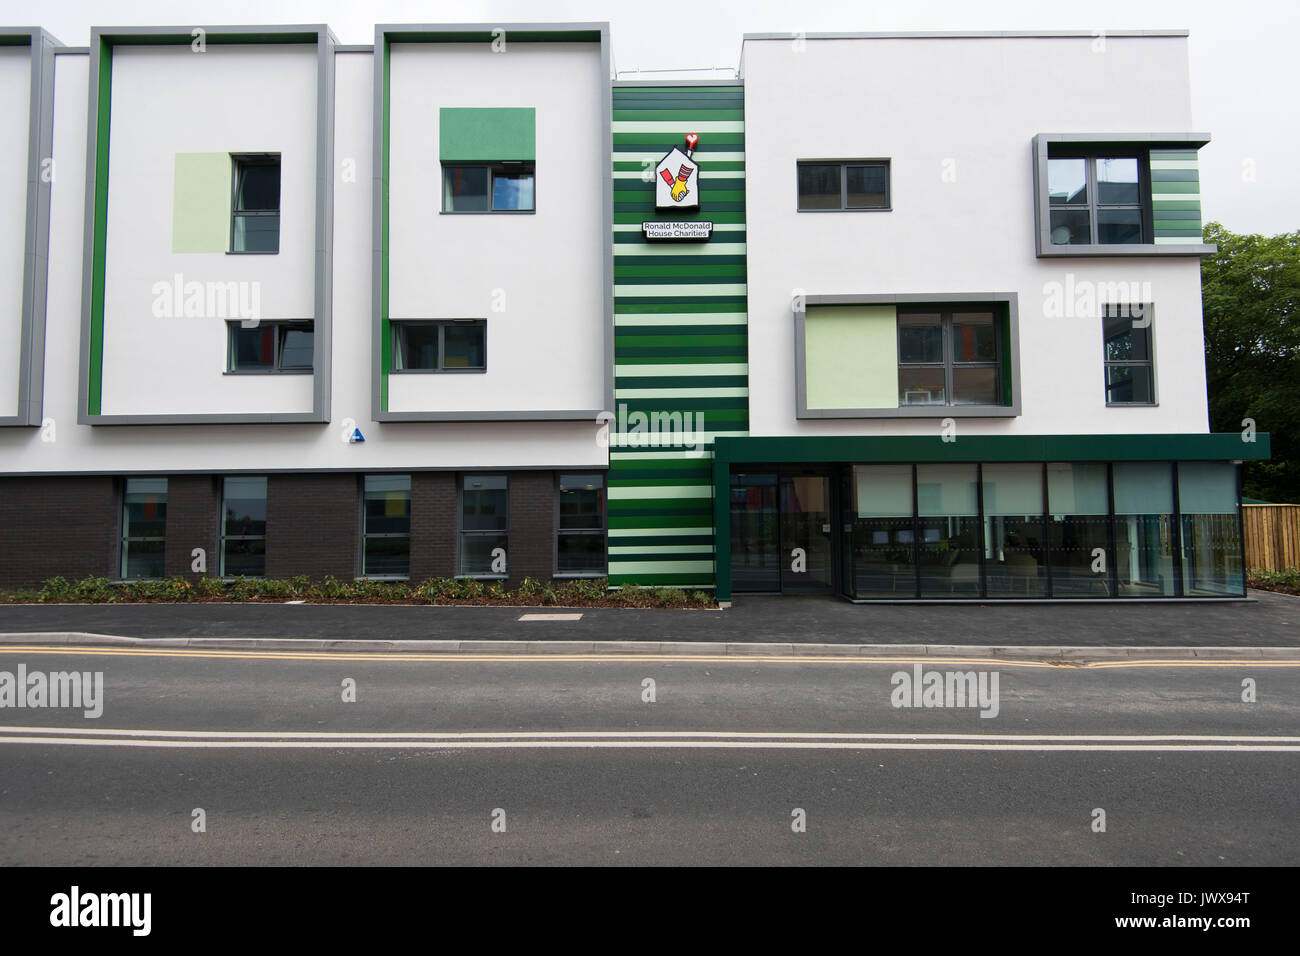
(549, 595)
(211, 587)
(630, 594)
(495, 591)
(55, 589)
(300, 585)
(671, 597)
(93, 589)
(468, 589)
(529, 588)
(702, 598)
(332, 588)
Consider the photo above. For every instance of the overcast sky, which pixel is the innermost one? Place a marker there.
(1243, 54)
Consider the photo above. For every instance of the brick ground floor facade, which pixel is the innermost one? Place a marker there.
(412, 526)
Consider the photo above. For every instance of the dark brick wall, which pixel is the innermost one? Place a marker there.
(434, 502)
(69, 526)
(57, 526)
(193, 502)
(313, 525)
(532, 526)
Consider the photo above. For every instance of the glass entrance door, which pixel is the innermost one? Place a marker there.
(805, 555)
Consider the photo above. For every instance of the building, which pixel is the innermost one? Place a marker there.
(890, 316)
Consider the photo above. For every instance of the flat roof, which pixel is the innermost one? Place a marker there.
(969, 35)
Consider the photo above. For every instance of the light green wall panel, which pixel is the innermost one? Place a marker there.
(474, 135)
(851, 356)
(201, 203)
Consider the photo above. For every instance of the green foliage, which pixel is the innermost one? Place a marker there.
(1287, 581)
(702, 598)
(672, 597)
(55, 589)
(631, 594)
(529, 588)
(1250, 292)
(211, 587)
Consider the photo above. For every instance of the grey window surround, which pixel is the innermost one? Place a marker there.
(1149, 363)
(983, 299)
(843, 164)
(1094, 206)
(1043, 247)
(280, 326)
(124, 538)
(492, 171)
(238, 160)
(948, 362)
(461, 532)
(366, 535)
(223, 537)
(559, 531)
(398, 326)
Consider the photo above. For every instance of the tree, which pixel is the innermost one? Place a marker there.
(1250, 296)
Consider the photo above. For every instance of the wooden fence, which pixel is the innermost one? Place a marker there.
(1272, 536)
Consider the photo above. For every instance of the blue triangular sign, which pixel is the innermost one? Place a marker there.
(357, 436)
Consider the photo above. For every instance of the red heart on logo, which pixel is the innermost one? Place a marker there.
(692, 140)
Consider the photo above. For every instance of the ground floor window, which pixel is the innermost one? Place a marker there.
(484, 526)
(996, 530)
(243, 527)
(580, 525)
(144, 527)
(386, 549)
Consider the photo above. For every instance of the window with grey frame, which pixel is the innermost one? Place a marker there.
(386, 529)
(843, 185)
(255, 205)
(488, 187)
(1099, 197)
(949, 357)
(270, 347)
(484, 526)
(580, 525)
(144, 527)
(444, 345)
(243, 527)
(1129, 357)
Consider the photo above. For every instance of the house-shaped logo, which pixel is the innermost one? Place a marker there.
(677, 180)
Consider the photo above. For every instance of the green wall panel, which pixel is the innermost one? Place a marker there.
(666, 300)
(201, 202)
(487, 135)
(851, 356)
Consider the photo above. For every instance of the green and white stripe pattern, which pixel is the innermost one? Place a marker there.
(1175, 196)
(680, 334)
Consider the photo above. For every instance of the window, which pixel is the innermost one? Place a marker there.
(483, 526)
(255, 212)
(144, 527)
(1097, 199)
(949, 358)
(843, 185)
(386, 548)
(1130, 369)
(500, 187)
(271, 347)
(580, 530)
(447, 346)
(243, 527)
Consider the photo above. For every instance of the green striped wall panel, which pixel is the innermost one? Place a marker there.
(1175, 196)
(681, 345)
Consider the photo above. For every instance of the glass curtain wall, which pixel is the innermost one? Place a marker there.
(884, 543)
(1078, 505)
(948, 555)
(755, 561)
(1015, 543)
(1211, 540)
(1144, 528)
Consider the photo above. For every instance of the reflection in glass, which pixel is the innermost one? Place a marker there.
(755, 560)
(948, 504)
(1144, 528)
(1079, 526)
(1212, 547)
(884, 561)
(1015, 553)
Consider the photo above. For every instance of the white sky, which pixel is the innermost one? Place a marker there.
(1243, 54)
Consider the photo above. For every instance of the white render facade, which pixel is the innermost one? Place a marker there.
(431, 270)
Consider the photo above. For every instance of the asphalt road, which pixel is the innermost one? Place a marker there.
(580, 768)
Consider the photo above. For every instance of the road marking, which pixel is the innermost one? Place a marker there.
(633, 740)
(550, 617)
(478, 657)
